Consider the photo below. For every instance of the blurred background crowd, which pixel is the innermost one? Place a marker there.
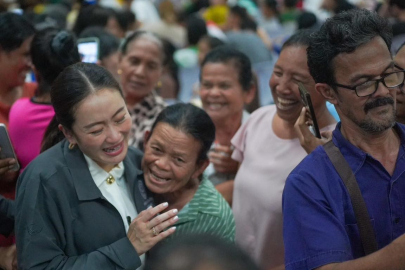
(189, 29)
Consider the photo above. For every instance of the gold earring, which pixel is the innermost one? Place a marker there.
(71, 146)
(119, 71)
(159, 84)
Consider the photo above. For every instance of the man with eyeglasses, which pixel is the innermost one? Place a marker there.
(350, 61)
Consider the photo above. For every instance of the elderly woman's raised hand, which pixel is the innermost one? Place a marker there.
(149, 227)
(220, 157)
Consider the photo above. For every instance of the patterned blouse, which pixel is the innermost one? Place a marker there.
(143, 116)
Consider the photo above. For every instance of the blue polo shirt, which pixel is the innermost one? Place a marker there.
(319, 222)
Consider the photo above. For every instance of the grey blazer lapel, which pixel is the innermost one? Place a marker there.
(84, 184)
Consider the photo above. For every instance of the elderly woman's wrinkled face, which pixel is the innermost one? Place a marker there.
(221, 93)
(101, 128)
(170, 160)
(141, 69)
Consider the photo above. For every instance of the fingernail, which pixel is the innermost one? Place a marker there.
(150, 206)
(165, 204)
(175, 211)
(175, 218)
(173, 228)
(11, 161)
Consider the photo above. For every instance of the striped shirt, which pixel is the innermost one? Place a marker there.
(207, 212)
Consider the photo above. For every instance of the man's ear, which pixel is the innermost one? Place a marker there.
(201, 166)
(68, 134)
(327, 92)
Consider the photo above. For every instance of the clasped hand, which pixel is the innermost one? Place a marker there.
(220, 157)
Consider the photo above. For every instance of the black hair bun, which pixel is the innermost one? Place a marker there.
(63, 43)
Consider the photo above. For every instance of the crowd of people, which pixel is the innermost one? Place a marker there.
(190, 142)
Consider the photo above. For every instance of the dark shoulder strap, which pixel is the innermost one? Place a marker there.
(367, 235)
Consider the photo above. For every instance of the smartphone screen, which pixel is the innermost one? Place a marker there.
(307, 102)
(88, 49)
(7, 150)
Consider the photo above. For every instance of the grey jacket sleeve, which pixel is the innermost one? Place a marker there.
(7, 211)
(41, 238)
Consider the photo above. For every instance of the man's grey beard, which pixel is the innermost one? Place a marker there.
(370, 126)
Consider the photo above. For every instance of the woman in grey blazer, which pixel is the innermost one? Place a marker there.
(82, 204)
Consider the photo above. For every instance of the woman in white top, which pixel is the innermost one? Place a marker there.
(82, 204)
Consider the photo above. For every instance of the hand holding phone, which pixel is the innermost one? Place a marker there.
(307, 102)
(8, 159)
(307, 140)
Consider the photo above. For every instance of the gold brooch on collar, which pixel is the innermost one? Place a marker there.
(110, 179)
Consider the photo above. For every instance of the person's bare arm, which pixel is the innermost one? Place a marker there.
(265, 38)
(7, 257)
(391, 257)
(226, 190)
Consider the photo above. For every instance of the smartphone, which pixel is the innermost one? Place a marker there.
(89, 49)
(307, 102)
(7, 150)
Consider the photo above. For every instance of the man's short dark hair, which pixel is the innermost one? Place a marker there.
(14, 30)
(343, 33)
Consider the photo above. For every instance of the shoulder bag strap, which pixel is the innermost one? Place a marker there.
(366, 230)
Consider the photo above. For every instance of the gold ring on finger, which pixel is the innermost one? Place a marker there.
(154, 231)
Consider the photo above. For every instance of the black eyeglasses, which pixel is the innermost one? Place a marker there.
(390, 80)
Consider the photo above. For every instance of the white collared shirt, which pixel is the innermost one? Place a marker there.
(117, 193)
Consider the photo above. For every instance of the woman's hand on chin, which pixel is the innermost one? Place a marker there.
(149, 227)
